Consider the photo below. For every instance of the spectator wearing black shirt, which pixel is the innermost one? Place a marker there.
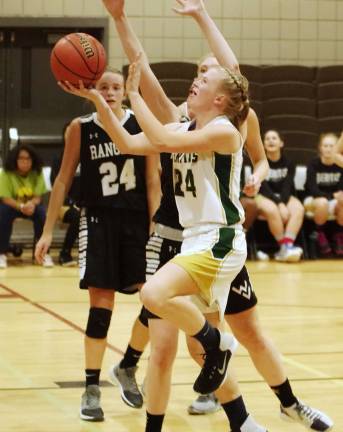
(276, 202)
(324, 188)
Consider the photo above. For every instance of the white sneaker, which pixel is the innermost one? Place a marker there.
(47, 261)
(251, 426)
(3, 261)
(289, 253)
(309, 417)
(262, 256)
(204, 404)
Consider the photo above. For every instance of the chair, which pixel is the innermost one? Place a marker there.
(331, 90)
(252, 73)
(330, 108)
(328, 74)
(331, 124)
(288, 73)
(299, 155)
(170, 69)
(293, 106)
(282, 123)
(288, 89)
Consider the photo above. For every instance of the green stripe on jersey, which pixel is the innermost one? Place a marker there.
(224, 171)
(224, 243)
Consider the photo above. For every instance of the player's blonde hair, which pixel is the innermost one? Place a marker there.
(236, 86)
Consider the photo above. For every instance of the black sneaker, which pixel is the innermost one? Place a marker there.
(309, 417)
(66, 260)
(214, 369)
(90, 404)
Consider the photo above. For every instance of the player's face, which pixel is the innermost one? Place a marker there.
(272, 142)
(206, 64)
(24, 162)
(111, 86)
(204, 90)
(328, 146)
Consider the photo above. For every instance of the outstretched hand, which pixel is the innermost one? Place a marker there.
(88, 93)
(114, 7)
(189, 7)
(134, 77)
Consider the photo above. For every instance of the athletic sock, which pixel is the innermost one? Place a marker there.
(208, 336)
(285, 394)
(154, 422)
(131, 358)
(92, 376)
(236, 413)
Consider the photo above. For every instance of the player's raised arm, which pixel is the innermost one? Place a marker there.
(218, 44)
(158, 102)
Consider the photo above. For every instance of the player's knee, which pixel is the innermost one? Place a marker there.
(163, 355)
(149, 298)
(99, 320)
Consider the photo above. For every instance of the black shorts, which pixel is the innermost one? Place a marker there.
(112, 248)
(242, 296)
(159, 251)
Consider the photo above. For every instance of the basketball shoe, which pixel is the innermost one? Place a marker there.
(126, 380)
(204, 404)
(216, 361)
(250, 426)
(90, 404)
(311, 418)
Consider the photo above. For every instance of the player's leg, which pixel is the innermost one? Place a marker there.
(99, 318)
(133, 241)
(241, 315)
(163, 348)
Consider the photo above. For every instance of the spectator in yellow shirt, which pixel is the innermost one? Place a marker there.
(21, 188)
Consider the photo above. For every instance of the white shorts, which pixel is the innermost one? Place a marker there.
(213, 259)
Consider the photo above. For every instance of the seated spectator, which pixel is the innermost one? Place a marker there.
(324, 190)
(21, 188)
(277, 203)
(69, 214)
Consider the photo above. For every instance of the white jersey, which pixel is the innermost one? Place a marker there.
(207, 185)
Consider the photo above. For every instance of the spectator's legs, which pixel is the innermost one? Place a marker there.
(250, 209)
(269, 210)
(7, 216)
(38, 219)
(296, 217)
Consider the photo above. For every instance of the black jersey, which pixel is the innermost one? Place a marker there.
(279, 185)
(109, 178)
(167, 213)
(323, 180)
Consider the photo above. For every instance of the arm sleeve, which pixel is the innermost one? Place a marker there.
(288, 184)
(268, 193)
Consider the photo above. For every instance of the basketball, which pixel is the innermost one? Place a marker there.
(78, 56)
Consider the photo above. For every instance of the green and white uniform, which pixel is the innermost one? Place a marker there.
(207, 188)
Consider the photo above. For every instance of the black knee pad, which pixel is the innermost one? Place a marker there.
(143, 317)
(99, 320)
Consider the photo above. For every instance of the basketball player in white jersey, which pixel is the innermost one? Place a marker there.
(250, 335)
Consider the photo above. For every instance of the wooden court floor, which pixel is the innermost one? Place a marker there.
(43, 313)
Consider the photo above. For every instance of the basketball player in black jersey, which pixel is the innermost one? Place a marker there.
(116, 191)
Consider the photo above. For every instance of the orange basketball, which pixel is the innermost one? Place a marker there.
(78, 56)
